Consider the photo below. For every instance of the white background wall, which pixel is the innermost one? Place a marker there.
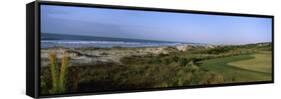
(12, 49)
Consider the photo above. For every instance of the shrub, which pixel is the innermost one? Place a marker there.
(104, 53)
(183, 61)
(167, 61)
(216, 79)
(175, 58)
(212, 78)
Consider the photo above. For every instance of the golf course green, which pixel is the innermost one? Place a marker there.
(241, 68)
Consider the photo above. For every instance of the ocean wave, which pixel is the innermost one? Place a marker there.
(77, 44)
(87, 42)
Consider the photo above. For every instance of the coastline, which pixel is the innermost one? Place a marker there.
(93, 55)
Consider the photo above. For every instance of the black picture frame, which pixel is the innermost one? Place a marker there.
(33, 46)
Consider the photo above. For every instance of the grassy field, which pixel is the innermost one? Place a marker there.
(234, 73)
(197, 66)
(260, 62)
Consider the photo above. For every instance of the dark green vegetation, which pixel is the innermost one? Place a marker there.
(196, 66)
(57, 74)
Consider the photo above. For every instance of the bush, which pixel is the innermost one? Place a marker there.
(183, 61)
(175, 58)
(167, 61)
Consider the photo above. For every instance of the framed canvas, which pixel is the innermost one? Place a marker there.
(83, 49)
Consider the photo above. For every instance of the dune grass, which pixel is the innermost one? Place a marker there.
(58, 73)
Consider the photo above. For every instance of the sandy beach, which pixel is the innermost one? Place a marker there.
(91, 56)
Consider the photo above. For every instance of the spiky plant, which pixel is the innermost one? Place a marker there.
(63, 71)
(58, 74)
(53, 68)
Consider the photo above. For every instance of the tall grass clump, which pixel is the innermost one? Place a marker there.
(53, 68)
(58, 74)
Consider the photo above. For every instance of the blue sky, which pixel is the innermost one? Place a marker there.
(180, 27)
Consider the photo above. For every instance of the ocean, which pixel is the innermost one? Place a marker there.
(72, 41)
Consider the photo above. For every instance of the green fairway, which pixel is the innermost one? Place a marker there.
(261, 62)
(233, 73)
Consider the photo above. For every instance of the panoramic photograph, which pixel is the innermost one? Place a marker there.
(87, 49)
